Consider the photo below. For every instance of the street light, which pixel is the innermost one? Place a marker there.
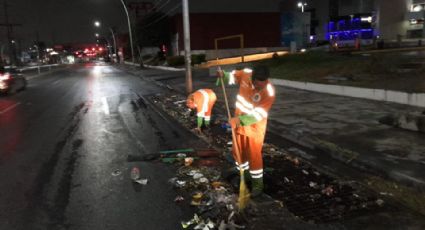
(302, 5)
(97, 24)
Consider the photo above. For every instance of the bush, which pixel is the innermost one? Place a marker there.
(198, 59)
(175, 60)
(180, 60)
(147, 56)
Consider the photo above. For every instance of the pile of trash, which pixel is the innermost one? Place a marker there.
(175, 106)
(214, 199)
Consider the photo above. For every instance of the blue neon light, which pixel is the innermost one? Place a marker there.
(349, 29)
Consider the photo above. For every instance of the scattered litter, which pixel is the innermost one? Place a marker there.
(180, 183)
(181, 155)
(194, 220)
(286, 180)
(316, 173)
(116, 172)
(203, 180)
(380, 202)
(217, 185)
(197, 199)
(141, 181)
(205, 226)
(328, 191)
(313, 184)
(188, 161)
(386, 194)
(296, 161)
(192, 172)
(198, 176)
(177, 183)
(179, 199)
(305, 172)
(135, 173)
(180, 102)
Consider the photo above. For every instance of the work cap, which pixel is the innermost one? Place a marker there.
(260, 73)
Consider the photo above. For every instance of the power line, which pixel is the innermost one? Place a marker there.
(159, 8)
(162, 17)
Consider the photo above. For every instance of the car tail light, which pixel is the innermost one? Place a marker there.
(4, 77)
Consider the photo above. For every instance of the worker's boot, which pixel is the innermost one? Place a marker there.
(257, 187)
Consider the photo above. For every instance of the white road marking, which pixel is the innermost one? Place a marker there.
(105, 105)
(9, 108)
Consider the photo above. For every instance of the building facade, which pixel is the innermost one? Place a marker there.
(257, 20)
(364, 19)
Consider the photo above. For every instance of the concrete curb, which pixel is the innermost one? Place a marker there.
(412, 99)
(165, 68)
(156, 67)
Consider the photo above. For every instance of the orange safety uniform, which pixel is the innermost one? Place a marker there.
(252, 107)
(203, 100)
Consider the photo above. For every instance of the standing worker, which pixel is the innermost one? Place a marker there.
(203, 100)
(255, 98)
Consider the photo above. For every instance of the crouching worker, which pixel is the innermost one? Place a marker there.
(203, 101)
(253, 102)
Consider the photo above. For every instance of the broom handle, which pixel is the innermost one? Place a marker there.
(237, 153)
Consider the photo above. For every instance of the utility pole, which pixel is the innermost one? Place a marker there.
(129, 30)
(115, 41)
(186, 32)
(9, 30)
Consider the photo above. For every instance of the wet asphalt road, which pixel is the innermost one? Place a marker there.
(64, 144)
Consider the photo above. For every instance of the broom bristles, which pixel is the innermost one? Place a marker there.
(243, 193)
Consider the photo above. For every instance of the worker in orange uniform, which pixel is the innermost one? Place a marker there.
(253, 102)
(203, 100)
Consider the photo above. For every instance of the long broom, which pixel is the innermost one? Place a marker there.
(243, 190)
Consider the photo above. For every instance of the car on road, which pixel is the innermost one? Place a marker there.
(11, 80)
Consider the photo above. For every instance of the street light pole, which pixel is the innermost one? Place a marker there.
(186, 32)
(302, 5)
(115, 41)
(129, 30)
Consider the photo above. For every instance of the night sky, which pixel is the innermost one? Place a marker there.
(61, 21)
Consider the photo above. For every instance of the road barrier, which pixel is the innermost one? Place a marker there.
(38, 67)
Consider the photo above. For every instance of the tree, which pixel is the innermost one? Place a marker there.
(154, 30)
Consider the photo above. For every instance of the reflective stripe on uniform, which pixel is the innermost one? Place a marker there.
(244, 102)
(245, 166)
(261, 111)
(232, 78)
(247, 70)
(270, 90)
(256, 173)
(249, 109)
(204, 104)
